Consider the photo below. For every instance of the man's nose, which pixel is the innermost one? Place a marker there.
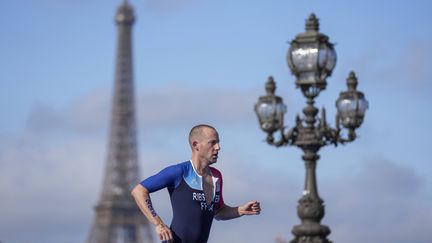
(217, 146)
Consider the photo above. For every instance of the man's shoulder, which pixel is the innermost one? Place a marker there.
(168, 177)
(184, 166)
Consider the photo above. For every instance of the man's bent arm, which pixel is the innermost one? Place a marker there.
(226, 212)
(142, 199)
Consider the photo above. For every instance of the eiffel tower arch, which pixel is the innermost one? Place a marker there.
(118, 219)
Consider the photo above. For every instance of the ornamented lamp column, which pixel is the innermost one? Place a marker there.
(311, 59)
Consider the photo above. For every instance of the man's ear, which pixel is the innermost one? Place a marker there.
(195, 145)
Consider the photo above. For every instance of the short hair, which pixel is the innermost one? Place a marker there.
(196, 131)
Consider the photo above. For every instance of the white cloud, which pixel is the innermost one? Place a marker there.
(48, 188)
(173, 105)
(383, 202)
(406, 66)
(89, 114)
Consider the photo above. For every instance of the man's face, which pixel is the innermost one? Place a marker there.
(209, 145)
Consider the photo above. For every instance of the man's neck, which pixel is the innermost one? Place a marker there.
(201, 167)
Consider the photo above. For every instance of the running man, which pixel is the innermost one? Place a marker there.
(195, 190)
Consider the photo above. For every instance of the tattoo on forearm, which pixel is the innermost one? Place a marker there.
(150, 207)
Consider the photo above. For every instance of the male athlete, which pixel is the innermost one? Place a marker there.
(195, 190)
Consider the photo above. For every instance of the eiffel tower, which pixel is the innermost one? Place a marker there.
(118, 220)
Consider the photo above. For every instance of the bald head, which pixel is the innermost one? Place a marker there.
(197, 132)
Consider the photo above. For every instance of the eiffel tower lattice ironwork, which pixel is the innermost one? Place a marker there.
(118, 219)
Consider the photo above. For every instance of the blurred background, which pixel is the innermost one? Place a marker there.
(207, 62)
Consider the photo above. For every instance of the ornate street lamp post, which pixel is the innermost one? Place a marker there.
(311, 58)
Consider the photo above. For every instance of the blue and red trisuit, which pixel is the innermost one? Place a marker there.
(192, 216)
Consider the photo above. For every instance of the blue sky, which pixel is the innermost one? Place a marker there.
(207, 61)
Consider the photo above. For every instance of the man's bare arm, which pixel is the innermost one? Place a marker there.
(143, 200)
(226, 212)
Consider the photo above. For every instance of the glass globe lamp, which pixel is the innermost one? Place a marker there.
(270, 109)
(351, 105)
(311, 58)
